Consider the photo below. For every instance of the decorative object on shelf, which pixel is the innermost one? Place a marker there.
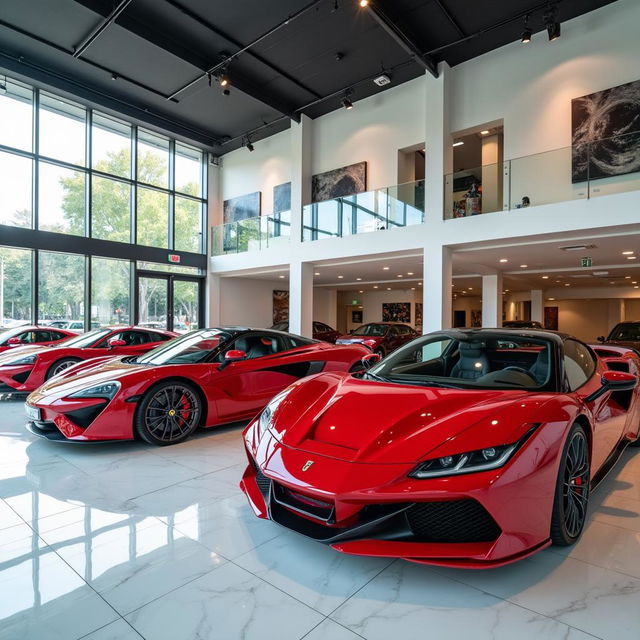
(282, 197)
(551, 318)
(356, 317)
(280, 306)
(605, 133)
(339, 183)
(418, 318)
(473, 204)
(396, 312)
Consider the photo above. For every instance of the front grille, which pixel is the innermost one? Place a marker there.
(264, 483)
(452, 521)
(302, 503)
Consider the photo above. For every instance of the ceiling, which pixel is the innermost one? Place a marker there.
(288, 57)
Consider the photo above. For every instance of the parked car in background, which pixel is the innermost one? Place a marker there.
(465, 448)
(381, 337)
(30, 334)
(624, 334)
(321, 331)
(203, 378)
(522, 324)
(26, 368)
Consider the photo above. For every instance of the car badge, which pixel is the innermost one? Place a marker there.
(307, 465)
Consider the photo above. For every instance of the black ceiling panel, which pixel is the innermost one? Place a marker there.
(160, 50)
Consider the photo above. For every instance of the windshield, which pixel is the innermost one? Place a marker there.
(190, 348)
(86, 339)
(371, 330)
(485, 361)
(630, 331)
(5, 334)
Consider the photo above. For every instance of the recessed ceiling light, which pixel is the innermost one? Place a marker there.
(627, 253)
(507, 290)
(340, 277)
(524, 266)
(503, 260)
(550, 298)
(282, 276)
(388, 288)
(360, 291)
(638, 285)
(316, 274)
(634, 282)
(385, 268)
(631, 257)
(484, 132)
(375, 286)
(545, 277)
(558, 281)
(358, 278)
(470, 288)
(420, 284)
(566, 284)
(627, 277)
(409, 273)
(459, 143)
(612, 282)
(399, 275)
(413, 288)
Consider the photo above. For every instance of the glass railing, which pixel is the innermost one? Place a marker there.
(588, 170)
(392, 207)
(252, 234)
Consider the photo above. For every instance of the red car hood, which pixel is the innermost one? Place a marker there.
(373, 422)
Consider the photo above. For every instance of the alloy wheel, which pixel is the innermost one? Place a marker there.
(172, 412)
(575, 488)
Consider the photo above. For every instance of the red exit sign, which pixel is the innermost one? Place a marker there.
(174, 257)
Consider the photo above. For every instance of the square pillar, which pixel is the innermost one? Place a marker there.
(537, 305)
(436, 289)
(301, 299)
(438, 149)
(300, 173)
(492, 300)
(214, 318)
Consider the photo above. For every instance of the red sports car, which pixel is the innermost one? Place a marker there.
(381, 337)
(321, 331)
(465, 448)
(29, 334)
(204, 378)
(26, 368)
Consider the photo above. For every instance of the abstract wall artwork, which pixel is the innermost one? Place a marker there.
(282, 197)
(476, 317)
(551, 318)
(605, 133)
(242, 207)
(418, 319)
(396, 312)
(339, 183)
(280, 306)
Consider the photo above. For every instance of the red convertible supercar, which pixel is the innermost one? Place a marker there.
(26, 368)
(465, 448)
(29, 334)
(204, 378)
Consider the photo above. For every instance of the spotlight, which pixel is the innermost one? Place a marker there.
(346, 103)
(225, 92)
(363, 3)
(114, 76)
(223, 79)
(248, 144)
(526, 32)
(551, 23)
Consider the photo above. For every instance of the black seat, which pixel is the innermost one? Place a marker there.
(473, 362)
(255, 346)
(540, 368)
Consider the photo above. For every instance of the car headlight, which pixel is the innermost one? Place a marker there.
(105, 390)
(470, 462)
(266, 417)
(26, 360)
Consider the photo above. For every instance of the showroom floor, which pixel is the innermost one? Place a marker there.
(122, 541)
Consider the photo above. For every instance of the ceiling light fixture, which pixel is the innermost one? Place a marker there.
(385, 268)
(281, 276)
(363, 3)
(388, 288)
(527, 32)
(503, 260)
(459, 143)
(484, 132)
(550, 298)
(340, 277)
(248, 144)
(317, 273)
(545, 277)
(223, 78)
(524, 266)
(375, 286)
(627, 253)
(346, 102)
(409, 273)
(552, 24)
(631, 257)
(358, 278)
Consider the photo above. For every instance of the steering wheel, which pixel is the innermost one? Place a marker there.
(521, 369)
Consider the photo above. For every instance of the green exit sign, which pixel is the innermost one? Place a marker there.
(586, 262)
(354, 302)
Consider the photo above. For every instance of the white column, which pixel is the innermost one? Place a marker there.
(491, 173)
(438, 149)
(300, 173)
(436, 289)
(214, 301)
(615, 311)
(492, 300)
(537, 305)
(301, 298)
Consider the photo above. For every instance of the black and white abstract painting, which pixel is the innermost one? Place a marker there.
(339, 183)
(242, 207)
(282, 197)
(605, 130)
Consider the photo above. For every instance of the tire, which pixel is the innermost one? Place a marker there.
(155, 423)
(572, 489)
(59, 366)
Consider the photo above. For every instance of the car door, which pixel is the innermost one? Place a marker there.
(609, 416)
(392, 339)
(136, 342)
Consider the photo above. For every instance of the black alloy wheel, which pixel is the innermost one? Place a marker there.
(572, 489)
(169, 413)
(60, 366)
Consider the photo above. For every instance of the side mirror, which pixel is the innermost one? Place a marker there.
(601, 339)
(613, 381)
(233, 355)
(370, 359)
(13, 341)
(116, 342)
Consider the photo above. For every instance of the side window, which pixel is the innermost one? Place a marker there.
(258, 345)
(158, 337)
(133, 338)
(44, 336)
(56, 335)
(29, 337)
(579, 364)
(297, 342)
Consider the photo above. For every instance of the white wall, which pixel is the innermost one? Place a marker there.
(247, 301)
(268, 165)
(632, 309)
(371, 302)
(324, 306)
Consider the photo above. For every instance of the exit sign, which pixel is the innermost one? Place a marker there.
(586, 262)
(354, 302)
(174, 257)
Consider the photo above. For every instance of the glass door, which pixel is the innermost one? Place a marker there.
(166, 301)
